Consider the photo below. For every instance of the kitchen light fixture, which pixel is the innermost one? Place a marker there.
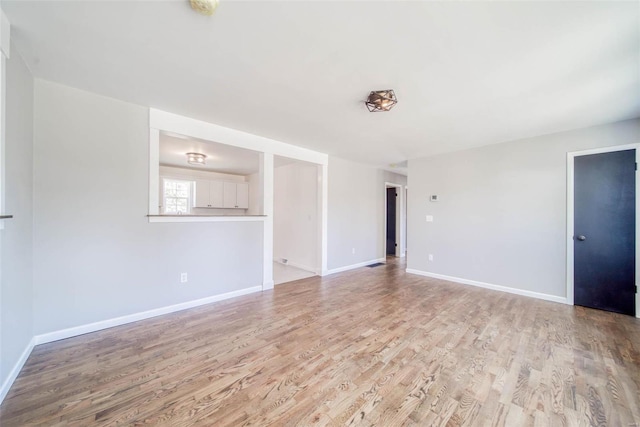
(381, 100)
(196, 159)
(204, 7)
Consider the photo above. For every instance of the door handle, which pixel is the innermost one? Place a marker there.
(581, 238)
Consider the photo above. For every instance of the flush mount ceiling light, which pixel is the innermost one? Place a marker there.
(381, 100)
(204, 7)
(196, 159)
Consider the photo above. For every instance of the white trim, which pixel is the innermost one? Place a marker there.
(222, 218)
(297, 265)
(3, 127)
(168, 122)
(406, 219)
(5, 35)
(569, 231)
(266, 175)
(117, 321)
(500, 288)
(609, 149)
(302, 267)
(570, 214)
(154, 171)
(400, 219)
(353, 266)
(15, 371)
(175, 123)
(323, 215)
(5, 53)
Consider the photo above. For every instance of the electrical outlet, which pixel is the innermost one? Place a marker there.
(429, 218)
(184, 278)
(353, 250)
(430, 257)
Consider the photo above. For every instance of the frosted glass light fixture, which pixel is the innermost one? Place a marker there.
(196, 159)
(204, 7)
(381, 100)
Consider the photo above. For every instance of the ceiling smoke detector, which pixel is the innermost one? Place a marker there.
(381, 100)
(204, 7)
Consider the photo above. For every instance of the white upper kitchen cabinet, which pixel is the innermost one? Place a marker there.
(236, 195)
(209, 194)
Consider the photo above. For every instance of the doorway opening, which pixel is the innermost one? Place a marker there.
(394, 215)
(296, 228)
(602, 228)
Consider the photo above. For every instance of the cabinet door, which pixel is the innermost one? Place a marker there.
(242, 195)
(229, 195)
(216, 194)
(202, 194)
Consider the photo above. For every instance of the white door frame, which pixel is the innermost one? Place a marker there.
(321, 217)
(405, 206)
(570, 212)
(400, 219)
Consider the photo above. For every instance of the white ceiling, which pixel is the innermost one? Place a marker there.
(465, 73)
(220, 157)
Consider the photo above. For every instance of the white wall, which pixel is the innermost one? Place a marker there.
(295, 217)
(501, 214)
(16, 309)
(95, 254)
(356, 212)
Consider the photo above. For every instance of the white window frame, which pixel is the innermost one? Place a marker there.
(190, 198)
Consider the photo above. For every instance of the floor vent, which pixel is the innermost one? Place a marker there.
(377, 264)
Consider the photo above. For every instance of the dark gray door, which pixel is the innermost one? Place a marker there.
(604, 231)
(391, 221)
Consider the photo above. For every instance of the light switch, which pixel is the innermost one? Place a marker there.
(429, 218)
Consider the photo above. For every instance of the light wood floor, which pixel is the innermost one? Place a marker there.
(374, 346)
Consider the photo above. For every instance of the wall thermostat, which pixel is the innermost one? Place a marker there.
(433, 198)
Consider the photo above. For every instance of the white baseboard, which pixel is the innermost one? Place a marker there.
(500, 288)
(297, 265)
(268, 285)
(109, 323)
(8, 382)
(302, 267)
(352, 266)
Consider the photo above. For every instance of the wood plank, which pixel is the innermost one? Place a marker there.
(373, 346)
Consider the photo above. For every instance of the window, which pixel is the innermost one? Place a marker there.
(176, 196)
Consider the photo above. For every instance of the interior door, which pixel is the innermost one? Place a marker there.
(605, 230)
(391, 221)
